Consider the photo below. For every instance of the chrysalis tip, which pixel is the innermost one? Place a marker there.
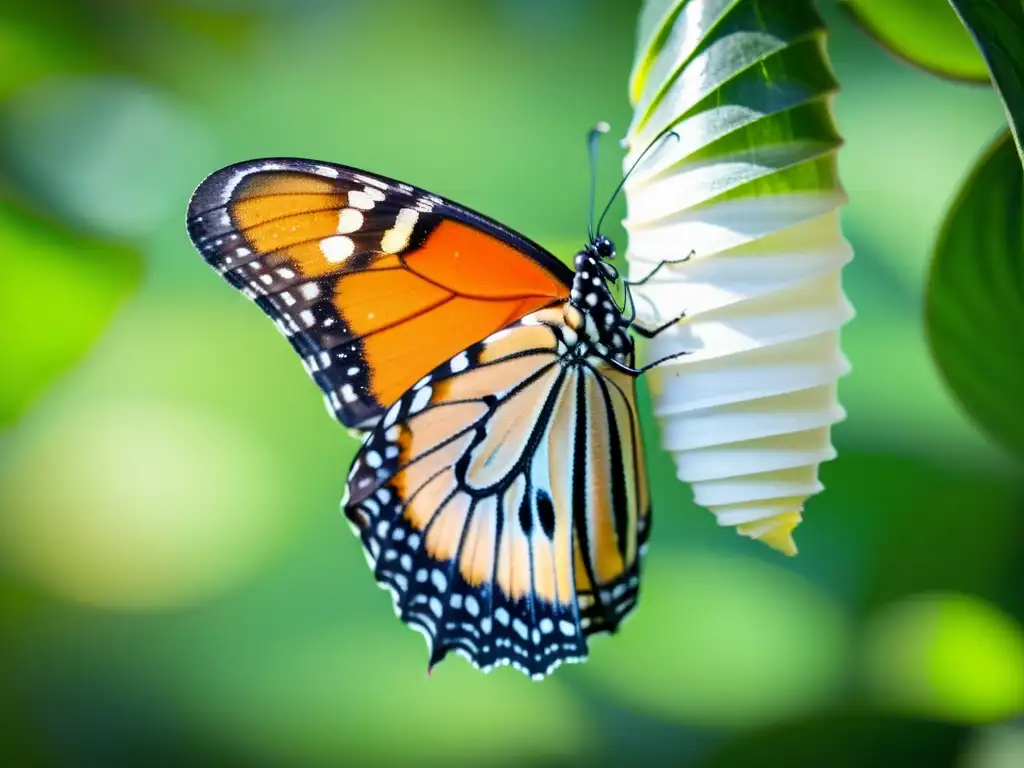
(775, 531)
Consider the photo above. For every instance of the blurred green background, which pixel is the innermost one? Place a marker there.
(176, 582)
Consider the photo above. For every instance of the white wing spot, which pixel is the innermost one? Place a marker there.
(439, 581)
(392, 415)
(373, 459)
(397, 238)
(359, 199)
(337, 248)
(420, 400)
(349, 220)
(567, 628)
(501, 616)
(472, 607)
(546, 625)
(371, 181)
(460, 362)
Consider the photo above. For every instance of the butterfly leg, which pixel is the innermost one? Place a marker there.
(640, 371)
(650, 333)
(661, 264)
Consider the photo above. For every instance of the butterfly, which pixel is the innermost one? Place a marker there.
(500, 491)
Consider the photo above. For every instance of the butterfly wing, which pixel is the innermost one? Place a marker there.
(374, 282)
(503, 501)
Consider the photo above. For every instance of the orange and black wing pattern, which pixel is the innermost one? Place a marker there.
(373, 281)
(503, 500)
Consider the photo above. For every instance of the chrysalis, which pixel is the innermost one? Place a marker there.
(747, 180)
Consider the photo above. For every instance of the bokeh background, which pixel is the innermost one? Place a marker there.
(176, 582)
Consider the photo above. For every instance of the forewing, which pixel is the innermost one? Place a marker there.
(374, 282)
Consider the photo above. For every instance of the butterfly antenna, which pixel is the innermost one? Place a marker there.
(663, 135)
(592, 138)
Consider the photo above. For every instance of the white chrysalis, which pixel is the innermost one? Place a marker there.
(748, 182)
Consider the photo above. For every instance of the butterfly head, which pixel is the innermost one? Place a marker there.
(602, 247)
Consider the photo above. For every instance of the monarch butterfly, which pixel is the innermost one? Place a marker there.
(500, 490)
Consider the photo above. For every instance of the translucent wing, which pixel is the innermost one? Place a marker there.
(373, 281)
(503, 500)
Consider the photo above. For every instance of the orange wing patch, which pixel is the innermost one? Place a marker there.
(463, 258)
(399, 355)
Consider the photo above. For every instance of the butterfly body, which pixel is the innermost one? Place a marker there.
(500, 492)
(592, 309)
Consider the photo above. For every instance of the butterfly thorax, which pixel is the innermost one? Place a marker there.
(592, 311)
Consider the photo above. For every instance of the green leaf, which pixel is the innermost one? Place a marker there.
(997, 27)
(975, 296)
(58, 292)
(925, 33)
